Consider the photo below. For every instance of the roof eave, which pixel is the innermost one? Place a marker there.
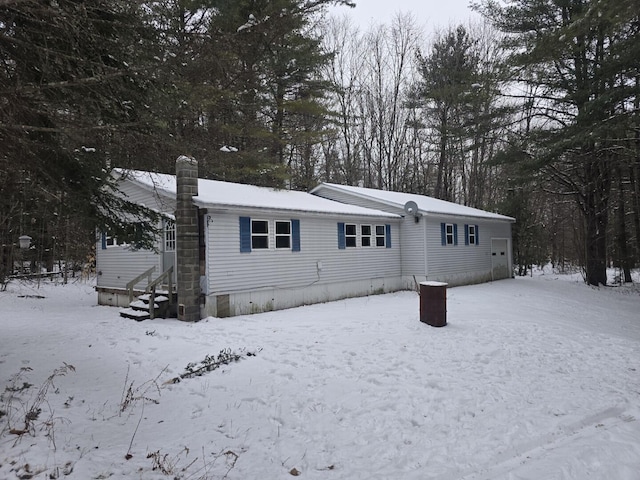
(231, 206)
(336, 188)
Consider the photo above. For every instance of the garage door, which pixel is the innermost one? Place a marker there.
(499, 259)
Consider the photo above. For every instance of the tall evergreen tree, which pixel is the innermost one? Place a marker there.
(71, 81)
(459, 89)
(573, 52)
(448, 73)
(247, 83)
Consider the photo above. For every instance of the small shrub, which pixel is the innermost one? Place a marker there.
(132, 395)
(210, 363)
(23, 415)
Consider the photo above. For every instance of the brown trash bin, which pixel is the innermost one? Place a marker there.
(433, 303)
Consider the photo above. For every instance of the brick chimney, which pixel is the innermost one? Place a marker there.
(187, 254)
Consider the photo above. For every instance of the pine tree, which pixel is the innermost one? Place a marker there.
(72, 81)
(246, 75)
(581, 56)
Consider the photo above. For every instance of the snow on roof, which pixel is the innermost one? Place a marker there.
(214, 193)
(426, 205)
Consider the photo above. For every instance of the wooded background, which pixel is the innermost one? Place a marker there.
(532, 113)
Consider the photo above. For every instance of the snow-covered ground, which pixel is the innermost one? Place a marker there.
(532, 378)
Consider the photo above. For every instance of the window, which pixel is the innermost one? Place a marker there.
(350, 234)
(259, 234)
(169, 236)
(254, 234)
(380, 236)
(472, 234)
(365, 235)
(283, 234)
(449, 234)
(109, 241)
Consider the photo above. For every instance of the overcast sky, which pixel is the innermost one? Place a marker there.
(429, 13)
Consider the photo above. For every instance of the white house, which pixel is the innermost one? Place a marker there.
(439, 240)
(256, 249)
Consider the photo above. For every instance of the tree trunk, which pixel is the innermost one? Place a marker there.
(635, 201)
(622, 247)
(596, 212)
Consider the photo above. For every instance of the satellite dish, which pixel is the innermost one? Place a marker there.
(411, 208)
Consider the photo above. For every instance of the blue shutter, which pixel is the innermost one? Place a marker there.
(466, 234)
(342, 242)
(295, 235)
(443, 233)
(104, 241)
(245, 234)
(387, 232)
(455, 233)
(477, 235)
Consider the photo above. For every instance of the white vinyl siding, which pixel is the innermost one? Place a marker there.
(118, 265)
(460, 259)
(231, 271)
(158, 201)
(424, 249)
(413, 248)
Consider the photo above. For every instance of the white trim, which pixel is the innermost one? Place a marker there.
(260, 235)
(281, 235)
(370, 236)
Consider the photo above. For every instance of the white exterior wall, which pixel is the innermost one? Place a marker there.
(263, 280)
(118, 265)
(413, 249)
(463, 264)
(423, 256)
(150, 198)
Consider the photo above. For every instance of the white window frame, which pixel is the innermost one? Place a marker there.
(381, 238)
(288, 235)
(449, 232)
(472, 234)
(350, 237)
(366, 235)
(170, 236)
(259, 234)
(110, 241)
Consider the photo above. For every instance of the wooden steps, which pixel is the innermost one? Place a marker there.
(139, 309)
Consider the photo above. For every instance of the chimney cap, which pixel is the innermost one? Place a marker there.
(185, 159)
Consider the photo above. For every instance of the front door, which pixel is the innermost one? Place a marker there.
(499, 259)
